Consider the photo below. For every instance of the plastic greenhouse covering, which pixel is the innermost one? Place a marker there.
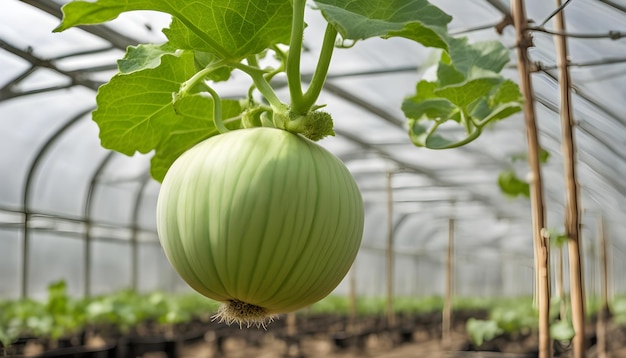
(71, 210)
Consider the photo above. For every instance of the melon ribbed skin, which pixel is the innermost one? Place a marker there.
(262, 216)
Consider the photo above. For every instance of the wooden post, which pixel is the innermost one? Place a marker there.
(603, 311)
(540, 244)
(291, 324)
(391, 317)
(446, 319)
(572, 214)
(352, 299)
(560, 289)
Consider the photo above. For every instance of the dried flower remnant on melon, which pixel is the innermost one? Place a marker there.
(242, 313)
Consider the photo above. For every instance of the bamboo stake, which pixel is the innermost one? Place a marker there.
(391, 317)
(560, 289)
(352, 299)
(572, 216)
(603, 312)
(292, 329)
(541, 245)
(446, 322)
(291, 324)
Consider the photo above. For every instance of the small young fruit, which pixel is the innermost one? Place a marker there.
(261, 219)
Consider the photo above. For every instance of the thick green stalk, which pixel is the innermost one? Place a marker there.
(258, 77)
(217, 111)
(294, 80)
(323, 64)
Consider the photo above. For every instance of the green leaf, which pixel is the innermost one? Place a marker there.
(485, 55)
(482, 330)
(434, 108)
(468, 90)
(562, 331)
(500, 112)
(417, 20)
(447, 74)
(515, 318)
(203, 60)
(197, 127)
(232, 30)
(511, 185)
(559, 239)
(508, 92)
(464, 94)
(135, 110)
(544, 156)
(143, 56)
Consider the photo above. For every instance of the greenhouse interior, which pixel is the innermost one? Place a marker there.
(482, 212)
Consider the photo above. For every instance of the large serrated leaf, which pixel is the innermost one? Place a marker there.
(135, 110)
(198, 125)
(507, 92)
(464, 94)
(435, 108)
(143, 56)
(485, 55)
(231, 30)
(469, 89)
(417, 20)
(147, 56)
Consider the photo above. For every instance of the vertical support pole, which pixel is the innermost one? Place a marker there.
(352, 298)
(25, 255)
(541, 244)
(572, 213)
(291, 324)
(446, 319)
(87, 258)
(134, 237)
(391, 317)
(560, 289)
(134, 264)
(603, 311)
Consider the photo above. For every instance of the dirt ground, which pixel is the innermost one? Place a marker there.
(423, 345)
(321, 347)
(425, 341)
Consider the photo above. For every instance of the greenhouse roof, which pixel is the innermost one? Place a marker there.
(60, 188)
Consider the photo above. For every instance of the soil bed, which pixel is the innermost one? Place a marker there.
(315, 336)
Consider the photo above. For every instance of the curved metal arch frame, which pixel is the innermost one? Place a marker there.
(87, 212)
(88, 222)
(135, 230)
(26, 196)
(140, 192)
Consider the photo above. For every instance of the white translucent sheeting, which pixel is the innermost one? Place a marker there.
(63, 178)
(53, 257)
(36, 33)
(146, 219)
(25, 131)
(491, 273)
(10, 265)
(79, 192)
(119, 187)
(155, 272)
